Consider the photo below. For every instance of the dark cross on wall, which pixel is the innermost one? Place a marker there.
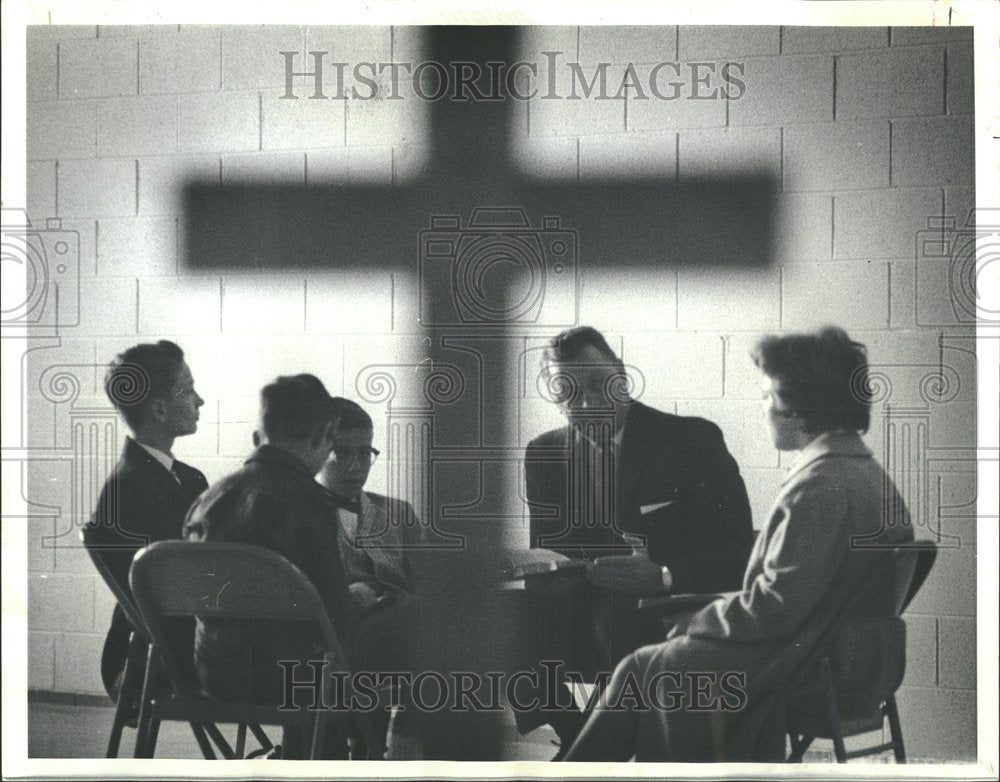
(641, 222)
(628, 225)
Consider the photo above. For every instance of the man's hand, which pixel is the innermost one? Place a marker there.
(634, 574)
(679, 628)
(364, 596)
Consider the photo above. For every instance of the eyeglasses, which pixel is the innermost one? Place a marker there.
(365, 456)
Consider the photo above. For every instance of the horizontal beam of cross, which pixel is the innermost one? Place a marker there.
(638, 222)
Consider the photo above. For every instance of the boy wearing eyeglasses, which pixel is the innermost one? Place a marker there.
(377, 537)
(374, 531)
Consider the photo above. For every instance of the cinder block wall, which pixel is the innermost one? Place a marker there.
(867, 130)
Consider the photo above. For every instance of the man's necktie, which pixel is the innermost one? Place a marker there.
(594, 466)
(184, 475)
(354, 506)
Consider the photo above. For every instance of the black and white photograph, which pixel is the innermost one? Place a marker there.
(417, 391)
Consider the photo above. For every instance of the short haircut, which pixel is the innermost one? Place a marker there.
(293, 407)
(351, 414)
(138, 376)
(569, 344)
(822, 377)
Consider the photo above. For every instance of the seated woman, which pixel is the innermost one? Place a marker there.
(711, 690)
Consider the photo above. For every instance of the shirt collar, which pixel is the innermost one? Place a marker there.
(346, 503)
(163, 458)
(616, 439)
(839, 443)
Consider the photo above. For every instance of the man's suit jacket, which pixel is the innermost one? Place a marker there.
(807, 564)
(272, 501)
(141, 503)
(697, 519)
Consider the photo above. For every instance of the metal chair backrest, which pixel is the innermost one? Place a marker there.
(926, 555)
(910, 565)
(94, 549)
(862, 605)
(904, 565)
(223, 580)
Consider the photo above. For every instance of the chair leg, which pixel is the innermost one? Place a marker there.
(203, 743)
(374, 744)
(318, 745)
(130, 687)
(717, 735)
(142, 734)
(114, 741)
(154, 733)
(261, 737)
(892, 714)
(799, 747)
(832, 712)
(220, 740)
(241, 741)
(839, 750)
(320, 720)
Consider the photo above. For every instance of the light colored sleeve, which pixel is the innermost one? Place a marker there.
(808, 544)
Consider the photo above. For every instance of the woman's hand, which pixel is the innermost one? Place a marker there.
(634, 574)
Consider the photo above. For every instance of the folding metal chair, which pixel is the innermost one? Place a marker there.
(831, 715)
(135, 660)
(814, 676)
(236, 581)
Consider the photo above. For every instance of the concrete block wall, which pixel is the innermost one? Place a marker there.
(868, 132)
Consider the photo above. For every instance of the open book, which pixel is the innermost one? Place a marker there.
(534, 561)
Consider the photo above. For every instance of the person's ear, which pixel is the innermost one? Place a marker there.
(330, 434)
(322, 437)
(157, 410)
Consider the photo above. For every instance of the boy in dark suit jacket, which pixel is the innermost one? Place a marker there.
(148, 495)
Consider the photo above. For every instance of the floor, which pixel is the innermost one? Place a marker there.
(58, 730)
(66, 731)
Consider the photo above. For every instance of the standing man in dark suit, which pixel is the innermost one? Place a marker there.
(654, 501)
(148, 495)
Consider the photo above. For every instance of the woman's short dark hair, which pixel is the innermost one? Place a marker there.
(293, 407)
(822, 377)
(138, 376)
(351, 414)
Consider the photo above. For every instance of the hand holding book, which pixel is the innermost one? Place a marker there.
(634, 574)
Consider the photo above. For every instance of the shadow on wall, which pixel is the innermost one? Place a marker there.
(647, 221)
(644, 223)
(498, 256)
